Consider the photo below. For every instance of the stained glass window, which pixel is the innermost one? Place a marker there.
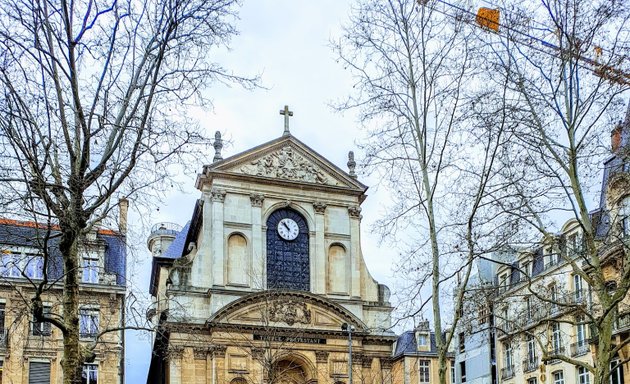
(288, 265)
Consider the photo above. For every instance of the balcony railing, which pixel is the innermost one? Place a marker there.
(580, 348)
(507, 372)
(88, 335)
(530, 365)
(622, 322)
(559, 350)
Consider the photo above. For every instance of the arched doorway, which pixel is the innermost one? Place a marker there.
(288, 371)
(288, 264)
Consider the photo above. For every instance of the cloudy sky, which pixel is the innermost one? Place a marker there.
(287, 43)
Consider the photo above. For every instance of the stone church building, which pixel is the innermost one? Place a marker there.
(264, 281)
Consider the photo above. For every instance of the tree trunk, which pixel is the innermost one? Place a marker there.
(72, 363)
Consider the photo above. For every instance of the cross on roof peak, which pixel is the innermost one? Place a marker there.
(286, 114)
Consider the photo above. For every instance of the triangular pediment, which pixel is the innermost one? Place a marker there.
(296, 310)
(286, 159)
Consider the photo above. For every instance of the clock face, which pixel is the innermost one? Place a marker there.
(288, 229)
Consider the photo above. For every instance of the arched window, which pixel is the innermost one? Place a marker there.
(237, 260)
(288, 264)
(624, 215)
(337, 266)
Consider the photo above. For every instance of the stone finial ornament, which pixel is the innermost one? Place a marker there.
(218, 145)
(351, 165)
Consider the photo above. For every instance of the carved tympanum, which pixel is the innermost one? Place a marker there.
(290, 312)
(287, 164)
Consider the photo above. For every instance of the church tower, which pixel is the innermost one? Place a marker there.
(263, 283)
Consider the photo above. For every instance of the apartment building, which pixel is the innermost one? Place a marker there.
(539, 313)
(31, 352)
(415, 358)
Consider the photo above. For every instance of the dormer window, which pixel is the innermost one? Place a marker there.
(17, 263)
(423, 340)
(90, 268)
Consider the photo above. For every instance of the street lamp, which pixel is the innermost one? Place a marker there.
(349, 328)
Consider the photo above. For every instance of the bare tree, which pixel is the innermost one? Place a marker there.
(566, 74)
(435, 142)
(92, 109)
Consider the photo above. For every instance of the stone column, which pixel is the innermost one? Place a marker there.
(175, 365)
(188, 366)
(218, 197)
(386, 370)
(319, 275)
(218, 355)
(323, 374)
(258, 270)
(366, 370)
(354, 212)
(200, 365)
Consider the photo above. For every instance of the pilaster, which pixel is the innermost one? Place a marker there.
(218, 197)
(354, 212)
(319, 273)
(175, 365)
(321, 359)
(258, 262)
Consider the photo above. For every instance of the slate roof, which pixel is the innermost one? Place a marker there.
(29, 234)
(407, 344)
(177, 247)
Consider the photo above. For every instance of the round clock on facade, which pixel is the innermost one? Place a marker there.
(288, 229)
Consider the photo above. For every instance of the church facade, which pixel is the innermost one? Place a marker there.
(267, 282)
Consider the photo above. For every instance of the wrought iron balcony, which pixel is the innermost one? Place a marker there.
(622, 322)
(530, 365)
(507, 372)
(580, 348)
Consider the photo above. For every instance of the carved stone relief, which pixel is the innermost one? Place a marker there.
(354, 211)
(319, 207)
(287, 164)
(256, 199)
(218, 195)
(290, 312)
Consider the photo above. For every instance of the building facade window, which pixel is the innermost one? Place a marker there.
(89, 374)
(88, 323)
(584, 377)
(462, 370)
(508, 356)
(558, 377)
(556, 338)
(424, 371)
(422, 340)
(578, 286)
(42, 328)
(90, 268)
(17, 264)
(38, 373)
(616, 371)
(531, 349)
(531, 380)
(580, 331)
(452, 371)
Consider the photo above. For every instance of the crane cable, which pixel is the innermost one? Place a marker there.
(597, 68)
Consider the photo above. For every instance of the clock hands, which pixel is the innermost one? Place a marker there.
(286, 226)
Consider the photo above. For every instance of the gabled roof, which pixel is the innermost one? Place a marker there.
(285, 160)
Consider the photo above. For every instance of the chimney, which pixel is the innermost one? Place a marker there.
(123, 207)
(615, 137)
